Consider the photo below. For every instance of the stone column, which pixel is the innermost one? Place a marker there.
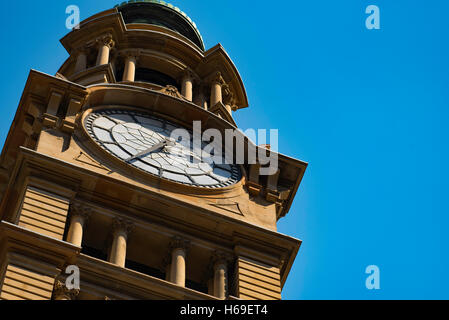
(105, 45)
(216, 95)
(220, 262)
(220, 280)
(121, 230)
(81, 60)
(79, 216)
(178, 248)
(200, 98)
(187, 86)
(130, 66)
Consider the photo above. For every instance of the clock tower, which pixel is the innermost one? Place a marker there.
(101, 173)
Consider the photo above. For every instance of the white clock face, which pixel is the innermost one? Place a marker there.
(144, 142)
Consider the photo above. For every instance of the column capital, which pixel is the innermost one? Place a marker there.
(120, 224)
(61, 291)
(221, 257)
(81, 210)
(106, 40)
(218, 257)
(187, 74)
(179, 243)
(217, 79)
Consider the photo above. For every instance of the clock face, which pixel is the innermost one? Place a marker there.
(144, 142)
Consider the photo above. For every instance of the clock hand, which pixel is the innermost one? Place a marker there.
(149, 150)
(172, 143)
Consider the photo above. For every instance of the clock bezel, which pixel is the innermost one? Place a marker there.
(238, 172)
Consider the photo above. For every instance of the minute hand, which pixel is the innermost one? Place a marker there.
(149, 150)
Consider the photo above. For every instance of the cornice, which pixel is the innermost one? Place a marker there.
(23, 242)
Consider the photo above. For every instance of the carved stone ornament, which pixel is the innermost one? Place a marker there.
(221, 257)
(179, 243)
(106, 40)
(172, 91)
(218, 79)
(60, 291)
(122, 225)
(79, 209)
(228, 97)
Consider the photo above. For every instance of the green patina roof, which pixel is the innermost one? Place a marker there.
(170, 6)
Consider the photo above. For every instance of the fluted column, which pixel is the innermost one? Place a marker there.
(187, 86)
(216, 95)
(81, 60)
(130, 66)
(105, 44)
(79, 216)
(178, 248)
(120, 232)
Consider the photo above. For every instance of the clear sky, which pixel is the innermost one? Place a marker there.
(367, 109)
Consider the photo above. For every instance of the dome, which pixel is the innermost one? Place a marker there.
(162, 14)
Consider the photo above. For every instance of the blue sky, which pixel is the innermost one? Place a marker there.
(368, 109)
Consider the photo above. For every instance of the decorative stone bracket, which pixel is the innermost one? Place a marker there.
(56, 101)
(269, 190)
(61, 292)
(172, 91)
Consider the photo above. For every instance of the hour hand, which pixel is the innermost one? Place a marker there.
(149, 150)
